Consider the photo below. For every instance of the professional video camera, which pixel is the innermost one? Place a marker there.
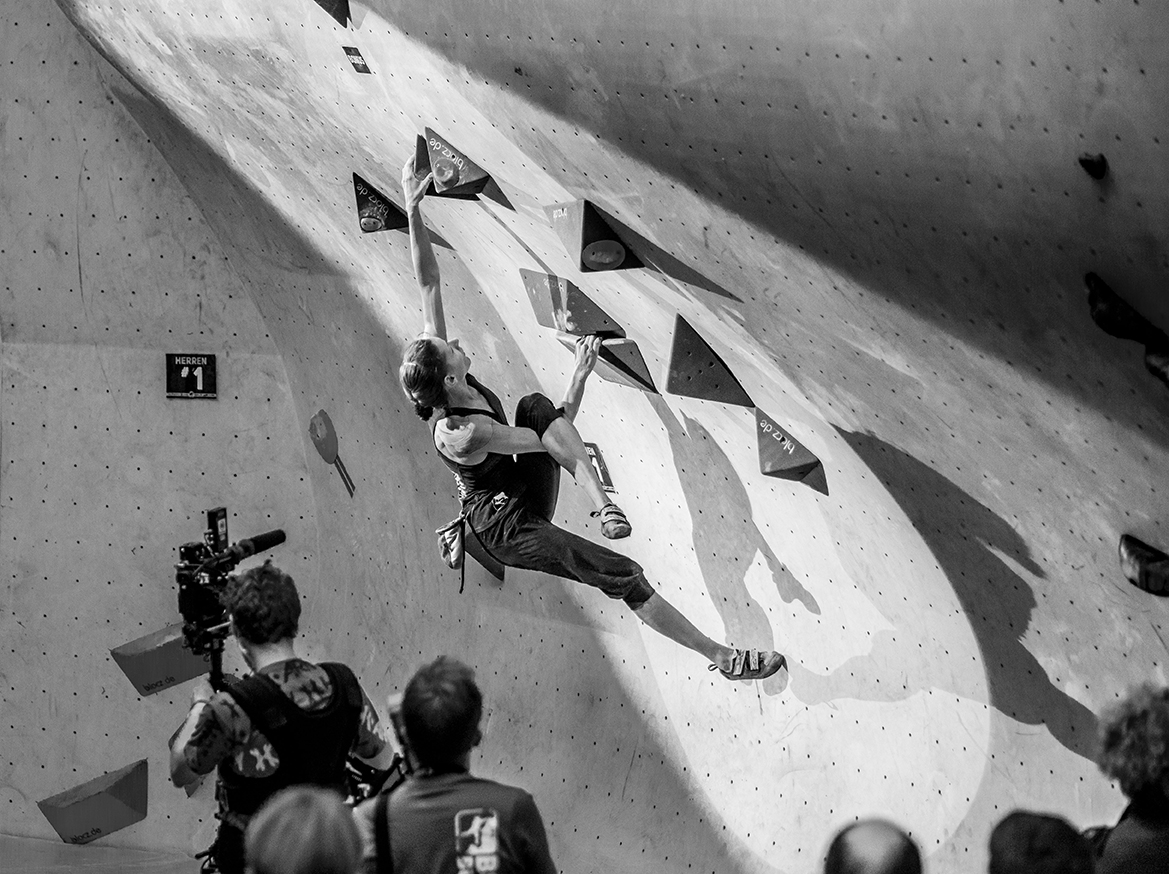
(201, 574)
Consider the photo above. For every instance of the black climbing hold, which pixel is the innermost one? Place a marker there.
(619, 360)
(1116, 317)
(696, 371)
(454, 173)
(589, 239)
(100, 806)
(1095, 166)
(375, 211)
(1146, 567)
(339, 9)
(782, 455)
(560, 304)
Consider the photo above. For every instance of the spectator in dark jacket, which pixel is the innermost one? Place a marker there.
(442, 819)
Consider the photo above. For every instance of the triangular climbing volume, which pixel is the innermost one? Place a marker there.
(590, 242)
(559, 304)
(159, 660)
(696, 371)
(619, 360)
(782, 455)
(99, 807)
(339, 9)
(375, 211)
(454, 172)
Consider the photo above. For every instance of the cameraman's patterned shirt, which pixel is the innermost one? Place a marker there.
(224, 730)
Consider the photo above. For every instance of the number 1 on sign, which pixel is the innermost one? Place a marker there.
(198, 376)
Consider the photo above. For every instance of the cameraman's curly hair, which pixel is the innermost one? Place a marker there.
(1134, 741)
(263, 604)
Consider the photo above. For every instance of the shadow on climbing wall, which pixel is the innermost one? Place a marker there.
(726, 538)
(911, 185)
(968, 541)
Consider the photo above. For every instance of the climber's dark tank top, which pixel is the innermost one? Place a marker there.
(496, 474)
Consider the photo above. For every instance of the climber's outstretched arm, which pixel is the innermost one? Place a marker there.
(422, 253)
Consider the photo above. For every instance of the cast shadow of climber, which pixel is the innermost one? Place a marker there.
(726, 538)
(965, 538)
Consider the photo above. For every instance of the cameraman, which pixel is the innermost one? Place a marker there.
(290, 722)
(442, 819)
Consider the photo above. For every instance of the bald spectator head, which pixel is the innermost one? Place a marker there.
(1033, 843)
(872, 846)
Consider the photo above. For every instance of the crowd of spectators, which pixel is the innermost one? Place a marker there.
(280, 737)
(443, 819)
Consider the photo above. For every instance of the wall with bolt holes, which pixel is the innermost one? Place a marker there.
(874, 214)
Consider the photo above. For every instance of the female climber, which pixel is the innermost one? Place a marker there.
(509, 476)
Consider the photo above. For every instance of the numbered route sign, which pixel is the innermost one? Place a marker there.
(190, 376)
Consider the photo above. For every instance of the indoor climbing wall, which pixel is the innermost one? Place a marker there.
(864, 231)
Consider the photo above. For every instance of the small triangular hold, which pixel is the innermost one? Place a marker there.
(696, 371)
(619, 360)
(454, 173)
(375, 211)
(339, 9)
(560, 304)
(783, 456)
(589, 239)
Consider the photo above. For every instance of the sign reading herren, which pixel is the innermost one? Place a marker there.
(190, 376)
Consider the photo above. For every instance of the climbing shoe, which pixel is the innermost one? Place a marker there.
(752, 664)
(614, 525)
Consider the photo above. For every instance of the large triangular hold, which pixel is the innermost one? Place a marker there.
(559, 304)
(339, 9)
(590, 242)
(619, 360)
(696, 371)
(454, 173)
(100, 807)
(159, 660)
(782, 455)
(375, 211)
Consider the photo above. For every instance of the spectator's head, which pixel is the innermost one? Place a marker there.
(1034, 843)
(263, 605)
(1134, 743)
(441, 708)
(303, 830)
(872, 846)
